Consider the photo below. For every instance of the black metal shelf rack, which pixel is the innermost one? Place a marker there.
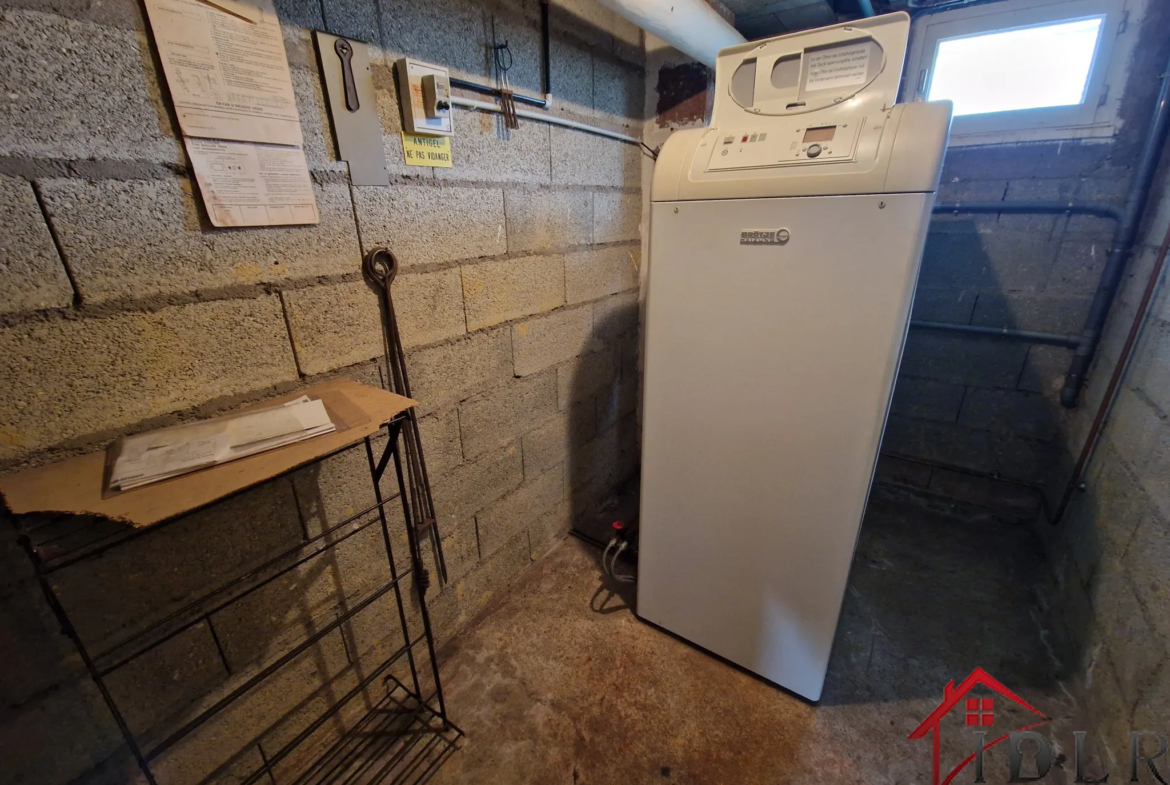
(404, 738)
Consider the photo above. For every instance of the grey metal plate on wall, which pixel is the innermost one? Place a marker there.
(349, 91)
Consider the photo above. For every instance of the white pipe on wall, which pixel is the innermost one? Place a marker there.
(543, 117)
(690, 26)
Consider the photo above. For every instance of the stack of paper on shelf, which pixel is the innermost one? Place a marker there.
(150, 457)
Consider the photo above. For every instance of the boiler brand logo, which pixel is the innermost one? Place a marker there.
(763, 237)
(978, 711)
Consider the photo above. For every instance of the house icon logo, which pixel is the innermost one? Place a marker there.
(978, 712)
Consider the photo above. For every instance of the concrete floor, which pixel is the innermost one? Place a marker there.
(559, 682)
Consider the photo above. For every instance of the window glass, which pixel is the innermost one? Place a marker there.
(1025, 68)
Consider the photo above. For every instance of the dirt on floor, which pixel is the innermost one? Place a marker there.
(559, 681)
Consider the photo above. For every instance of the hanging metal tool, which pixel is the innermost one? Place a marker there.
(380, 268)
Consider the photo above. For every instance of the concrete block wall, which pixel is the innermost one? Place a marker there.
(978, 420)
(1109, 553)
(122, 309)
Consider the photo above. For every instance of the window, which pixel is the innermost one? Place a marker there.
(1021, 70)
(980, 711)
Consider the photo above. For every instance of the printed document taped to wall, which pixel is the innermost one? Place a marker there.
(227, 70)
(253, 184)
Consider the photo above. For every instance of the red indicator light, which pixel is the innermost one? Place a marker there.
(744, 138)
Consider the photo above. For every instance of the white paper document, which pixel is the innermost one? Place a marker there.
(159, 455)
(838, 67)
(247, 184)
(228, 76)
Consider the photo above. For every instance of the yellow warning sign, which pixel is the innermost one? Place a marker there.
(426, 150)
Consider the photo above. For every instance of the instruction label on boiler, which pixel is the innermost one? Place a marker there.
(838, 67)
(427, 150)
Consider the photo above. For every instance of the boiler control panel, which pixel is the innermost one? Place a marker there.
(786, 144)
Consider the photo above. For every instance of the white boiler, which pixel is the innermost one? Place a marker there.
(785, 242)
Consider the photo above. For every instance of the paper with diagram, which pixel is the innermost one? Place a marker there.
(228, 75)
(247, 184)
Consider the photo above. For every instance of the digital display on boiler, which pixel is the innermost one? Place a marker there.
(822, 133)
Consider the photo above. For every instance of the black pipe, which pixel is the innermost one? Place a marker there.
(1123, 241)
(546, 58)
(1027, 336)
(495, 91)
(1014, 208)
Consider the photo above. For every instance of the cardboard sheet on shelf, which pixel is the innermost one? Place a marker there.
(228, 75)
(246, 184)
(76, 485)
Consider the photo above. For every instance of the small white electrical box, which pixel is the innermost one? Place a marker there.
(424, 90)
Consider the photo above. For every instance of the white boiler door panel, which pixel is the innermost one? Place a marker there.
(768, 376)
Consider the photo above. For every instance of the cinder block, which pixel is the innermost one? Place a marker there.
(1145, 560)
(571, 71)
(542, 220)
(986, 452)
(519, 25)
(485, 150)
(618, 94)
(469, 488)
(460, 547)
(1010, 500)
(1139, 434)
(1044, 189)
(440, 439)
(586, 20)
(617, 399)
(545, 341)
(34, 277)
(499, 416)
(472, 593)
(437, 32)
(927, 399)
(628, 41)
(583, 377)
(1065, 315)
(1135, 650)
(339, 487)
(333, 326)
(427, 224)
(1078, 266)
(616, 217)
(1044, 370)
(225, 745)
(1017, 162)
(962, 359)
(262, 625)
(1151, 371)
(186, 559)
(552, 443)
(105, 374)
(1105, 189)
(550, 529)
(580, 158)
(500, 522)
(112, 233)
(949, 306)
(319, 145)
(615, 317)
(79, 90)
(598, 272)
(168, 678)
(506, 289)
(356, 19)
(995, 262)
(72, 722)
(36, 654)
(898, 471)
(429, 307)
(451, 372)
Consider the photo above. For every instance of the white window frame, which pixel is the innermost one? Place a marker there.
(1095, 117)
